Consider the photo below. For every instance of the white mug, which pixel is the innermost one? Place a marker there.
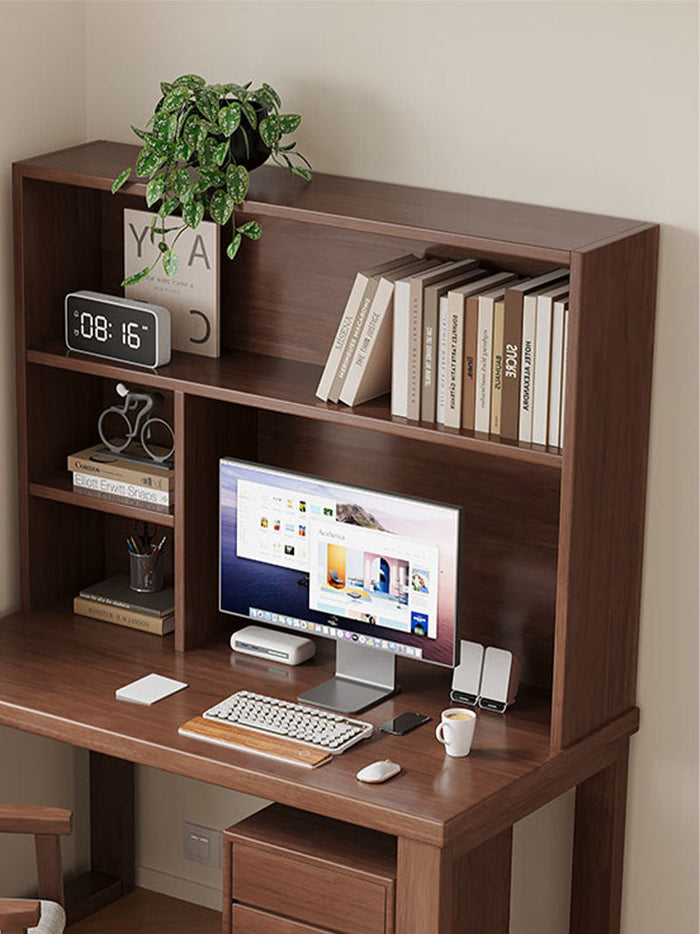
(456, 730)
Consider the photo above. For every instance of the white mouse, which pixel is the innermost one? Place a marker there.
(378, 772)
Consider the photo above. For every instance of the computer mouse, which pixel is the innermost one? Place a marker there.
(378, 772)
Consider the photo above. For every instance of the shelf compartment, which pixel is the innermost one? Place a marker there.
(279, 385)
(59, 488)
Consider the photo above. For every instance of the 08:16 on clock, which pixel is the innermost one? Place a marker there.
(116, 328)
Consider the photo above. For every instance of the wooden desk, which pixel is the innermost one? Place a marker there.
(453, 817)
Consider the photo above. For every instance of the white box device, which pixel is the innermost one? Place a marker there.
(466, 681)
(276, 646)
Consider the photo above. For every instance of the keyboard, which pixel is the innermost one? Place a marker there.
(270, 716)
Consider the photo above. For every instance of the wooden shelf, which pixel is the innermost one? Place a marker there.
(60, 489)
(288, 386)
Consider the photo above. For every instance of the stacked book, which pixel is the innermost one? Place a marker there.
(457, 345)
(114, 601)
(124, 478)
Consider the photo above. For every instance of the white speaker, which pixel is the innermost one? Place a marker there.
(500, 678)
(466, 680)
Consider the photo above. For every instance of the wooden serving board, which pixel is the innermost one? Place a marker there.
(236, 737)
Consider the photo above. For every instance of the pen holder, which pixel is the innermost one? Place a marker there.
(146, 571)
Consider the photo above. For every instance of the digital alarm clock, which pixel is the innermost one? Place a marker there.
(118, 328)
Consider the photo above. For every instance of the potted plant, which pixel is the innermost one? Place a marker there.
(200, 145)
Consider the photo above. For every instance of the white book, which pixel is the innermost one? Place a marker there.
(442, 361)
(399, 348)
(527, 367)
(484, 356)
(143, 494)
(543, 356)
(563, 378)
(369, 373)
(453, 360)
(556, 369)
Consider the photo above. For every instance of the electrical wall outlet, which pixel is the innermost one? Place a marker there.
(202, 844)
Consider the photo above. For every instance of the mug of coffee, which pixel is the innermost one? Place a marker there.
(456, 730)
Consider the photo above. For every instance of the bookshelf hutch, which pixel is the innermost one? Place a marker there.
(552, 540)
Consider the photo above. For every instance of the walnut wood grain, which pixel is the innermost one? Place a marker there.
(112, 819)
(234, 737)
(604, 484)
(60, 488)
(30, 818)
(16, 915)
(144, 911)
(599, 836)
(247, 920)
(374, 207)
(49, 872)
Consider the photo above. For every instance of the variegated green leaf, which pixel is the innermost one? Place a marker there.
(120, 180)
(170, 262)
(155, 189)
(213, 152)
(165, 88)
(229, 118)
(164, 126)
(302, 173)
(250, 113)
(237, 181)
(270, 130)
(193, 213)
(273, 94)
(233, 246)
(182, 151)
(137, 277)
(208, 104)
(209, 176)
(176, 99)
(190, 81)
(289, 122)
(149, 162)
(180, 183)
(250, 229)
(190, 132)
(168, 206)
(221, 206)
(142, 134)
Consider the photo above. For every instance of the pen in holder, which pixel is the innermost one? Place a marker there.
(145, 564)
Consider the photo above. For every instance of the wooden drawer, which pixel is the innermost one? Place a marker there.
(313, 870)
(313, 894)
(251, 921)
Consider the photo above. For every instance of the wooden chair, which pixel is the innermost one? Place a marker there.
(24, 916)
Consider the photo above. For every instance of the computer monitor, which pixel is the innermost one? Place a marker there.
(374, 571)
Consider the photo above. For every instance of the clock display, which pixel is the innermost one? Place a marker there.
(116, 328)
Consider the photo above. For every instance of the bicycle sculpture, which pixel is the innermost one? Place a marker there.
(144, 429)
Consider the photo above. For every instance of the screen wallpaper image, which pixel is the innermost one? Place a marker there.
(296, 548)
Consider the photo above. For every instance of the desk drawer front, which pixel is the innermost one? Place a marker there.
(251, 921)
(307, 892)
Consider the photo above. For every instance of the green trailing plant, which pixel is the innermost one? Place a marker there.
(198, 149)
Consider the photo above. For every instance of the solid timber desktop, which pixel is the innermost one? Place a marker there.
(552, 550)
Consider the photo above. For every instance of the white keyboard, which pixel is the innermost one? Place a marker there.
(312, 726)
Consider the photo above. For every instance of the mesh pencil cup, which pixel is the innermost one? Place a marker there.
(146, 571)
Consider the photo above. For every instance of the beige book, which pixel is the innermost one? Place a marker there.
(159, 626)
(99, 461)
(192, 294)
(367, 283)
(369, 374)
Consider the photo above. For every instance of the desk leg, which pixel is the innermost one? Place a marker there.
(112, 837)
(440, 893)
(599, 840)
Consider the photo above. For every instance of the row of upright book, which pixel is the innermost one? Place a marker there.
(456, 345)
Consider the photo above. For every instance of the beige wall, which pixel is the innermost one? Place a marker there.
(591, 106)
(42, 94)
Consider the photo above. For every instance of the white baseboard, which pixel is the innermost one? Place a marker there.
(176, 887)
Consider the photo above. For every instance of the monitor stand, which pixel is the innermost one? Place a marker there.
(363, 677)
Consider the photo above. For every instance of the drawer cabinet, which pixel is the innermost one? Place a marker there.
(290, 872)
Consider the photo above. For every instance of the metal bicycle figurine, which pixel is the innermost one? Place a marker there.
(138, 404)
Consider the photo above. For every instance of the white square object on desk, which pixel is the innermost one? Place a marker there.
(149, 689)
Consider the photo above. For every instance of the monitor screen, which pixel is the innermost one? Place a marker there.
(338, 561)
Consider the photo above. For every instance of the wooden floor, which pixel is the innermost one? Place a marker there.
(150, 913)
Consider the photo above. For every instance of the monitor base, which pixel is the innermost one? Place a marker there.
(363, 677)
